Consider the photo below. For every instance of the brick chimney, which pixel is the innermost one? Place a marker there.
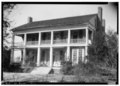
(100, 14)
(103, 24)
(30, 19)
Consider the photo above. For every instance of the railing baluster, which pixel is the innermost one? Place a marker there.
(77, 41)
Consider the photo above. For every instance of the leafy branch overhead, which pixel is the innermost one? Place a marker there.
(7, 9)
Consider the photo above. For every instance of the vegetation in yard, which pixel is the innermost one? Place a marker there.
(7, 9)
(66, 67)
(6, 59)
(102, 60)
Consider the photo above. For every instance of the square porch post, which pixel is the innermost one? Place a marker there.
(51, 49)
(39, 52)
(51, 56)
(69, 37)
(68, 47)
(12, 50)
(68, 53)
(38, 56)
(24, 49)
(87, 39)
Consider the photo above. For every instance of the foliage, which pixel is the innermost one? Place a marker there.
(6, 66)
(84, 68)
(66, 67)
(15, 67)
(98, 51)
(87, 72)
(7, 9)
(112, 44)
(102, 55)
(5, 60)
(104, 49)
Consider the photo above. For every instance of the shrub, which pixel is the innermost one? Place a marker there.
(15, 67)
(66, 67)
(87, 72)
(84, 69)
(5, 60)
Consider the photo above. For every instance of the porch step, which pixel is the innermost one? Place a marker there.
(41, 70)
(57, 71)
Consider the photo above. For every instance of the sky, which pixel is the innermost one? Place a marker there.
(39, 12)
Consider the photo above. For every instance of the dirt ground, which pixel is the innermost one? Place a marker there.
(51, 78)
(20, 77)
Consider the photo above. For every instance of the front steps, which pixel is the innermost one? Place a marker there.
(41, 70)
(57, 71)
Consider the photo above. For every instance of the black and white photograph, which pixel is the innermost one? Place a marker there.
(59, 43)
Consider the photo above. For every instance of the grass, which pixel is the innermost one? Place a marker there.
(107, 77)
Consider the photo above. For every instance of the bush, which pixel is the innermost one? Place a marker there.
(5, 59)
(66, 67)
(87, 72)
(6, 66)
(84, 69)
(15, 67)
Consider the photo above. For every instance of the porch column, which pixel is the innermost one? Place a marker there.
(86, 47)
(24, 50)
(24, 55)
(51, 56)
(69, 36)
(12, 50)
(38, 56)
(25, 38)
(38, 52)
(68, 53)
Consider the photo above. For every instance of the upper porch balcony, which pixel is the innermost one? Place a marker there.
(45, 38)
(60, 37)
(57, 37)
(32, 39)
(78, 36)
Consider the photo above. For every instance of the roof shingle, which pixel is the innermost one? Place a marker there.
(57, 22)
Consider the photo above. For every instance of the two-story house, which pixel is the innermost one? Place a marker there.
(45, 44)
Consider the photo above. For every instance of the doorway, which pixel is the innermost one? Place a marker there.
(45, 57)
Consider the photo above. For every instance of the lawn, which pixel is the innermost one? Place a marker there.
(54, 78)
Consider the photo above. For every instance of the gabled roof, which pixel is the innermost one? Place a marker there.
(57, 22)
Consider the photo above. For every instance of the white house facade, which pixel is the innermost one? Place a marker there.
(48, 43)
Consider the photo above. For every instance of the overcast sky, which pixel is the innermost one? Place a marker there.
(40, 12)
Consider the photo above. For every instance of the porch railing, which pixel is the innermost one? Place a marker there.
(45, 41)
(31, 42)
(60, 41)
(78, 40)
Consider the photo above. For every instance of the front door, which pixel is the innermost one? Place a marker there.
(45, 55)
(31, 57)
(58, 56)
(77, 55)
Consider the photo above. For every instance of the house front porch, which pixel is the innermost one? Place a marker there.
(50, 56)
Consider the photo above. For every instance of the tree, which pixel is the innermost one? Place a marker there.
(7, 9)
(112, 44)
(98, 51)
